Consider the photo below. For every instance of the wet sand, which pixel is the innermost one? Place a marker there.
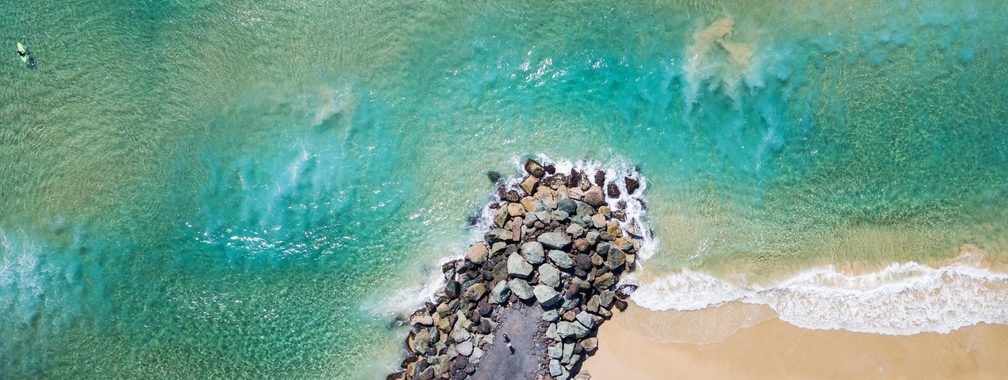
(754, 344)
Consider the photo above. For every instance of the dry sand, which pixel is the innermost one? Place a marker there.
(749, 342)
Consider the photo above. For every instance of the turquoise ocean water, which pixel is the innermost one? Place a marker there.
(244, 189)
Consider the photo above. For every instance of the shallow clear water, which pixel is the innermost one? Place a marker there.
(256, 188)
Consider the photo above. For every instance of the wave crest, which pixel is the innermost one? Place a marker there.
(901, 299)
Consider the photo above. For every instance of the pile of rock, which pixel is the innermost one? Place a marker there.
(554, 242)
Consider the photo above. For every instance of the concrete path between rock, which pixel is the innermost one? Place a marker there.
(521, 323)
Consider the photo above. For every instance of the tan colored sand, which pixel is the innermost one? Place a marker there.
(768, 348)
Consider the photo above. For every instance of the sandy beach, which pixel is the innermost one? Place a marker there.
(749, 342)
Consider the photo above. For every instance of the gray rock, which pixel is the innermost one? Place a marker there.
(616, 258)
(549, 275)
(575, 358)
(544, 216)
(459, 333)
(571, 330)
(567, 205)
(497, 247)
(477, 354)
(421, 341)
(546, 295)
(551, 332)
(555, 351)
(499, 234)
(555, 369)
(594, 196)
(570, 303)
(606, 298)
(592, 236)
(584, 210)
(533, 252)
(559, 216)
(518, 267)
(465, 348)
(521, 288)
(575, 230)
(556, 240)
(568, 351)
(500, 293)
(590, 344)
(561, 259)
(585, 319)
(550, 315)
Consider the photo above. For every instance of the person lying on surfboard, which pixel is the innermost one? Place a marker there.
(25, 55)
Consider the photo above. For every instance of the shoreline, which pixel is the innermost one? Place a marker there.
(901, 298)
(770, 348)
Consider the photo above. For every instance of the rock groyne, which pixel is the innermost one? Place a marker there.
(555, 250)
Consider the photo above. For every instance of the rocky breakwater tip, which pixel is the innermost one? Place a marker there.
(553, 243)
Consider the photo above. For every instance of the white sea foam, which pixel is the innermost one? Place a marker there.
(901, 299)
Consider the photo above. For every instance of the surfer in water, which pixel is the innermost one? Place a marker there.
(25, 55)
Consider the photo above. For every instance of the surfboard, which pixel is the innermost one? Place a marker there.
(22, 52)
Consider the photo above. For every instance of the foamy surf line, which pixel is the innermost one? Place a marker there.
(901, 299)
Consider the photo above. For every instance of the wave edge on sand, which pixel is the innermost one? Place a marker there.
(900, 299)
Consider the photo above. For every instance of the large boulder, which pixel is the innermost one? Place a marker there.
(632, 184)
(567, 205)
(599, 177)
(584, 210)
(534, 168)
(604, 281)
(533, 252)
(612, 190)
(561, 259)
(594, 196)
(555, 369)
(511, 196)
(465, 348)
(575, 230)
(549, 275)
(585, 319)
(421, 341)
(528, 185)
(518, 267)
(529, 204)
(615, 259)
(547, 296)
(477, 253)
(521, 288)
(583, 262)
(422, 319)
(515, 209)
(475, 292)
(500, 293)
(590, 344)
(554, 240)
(624, 291)
(571, 330)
